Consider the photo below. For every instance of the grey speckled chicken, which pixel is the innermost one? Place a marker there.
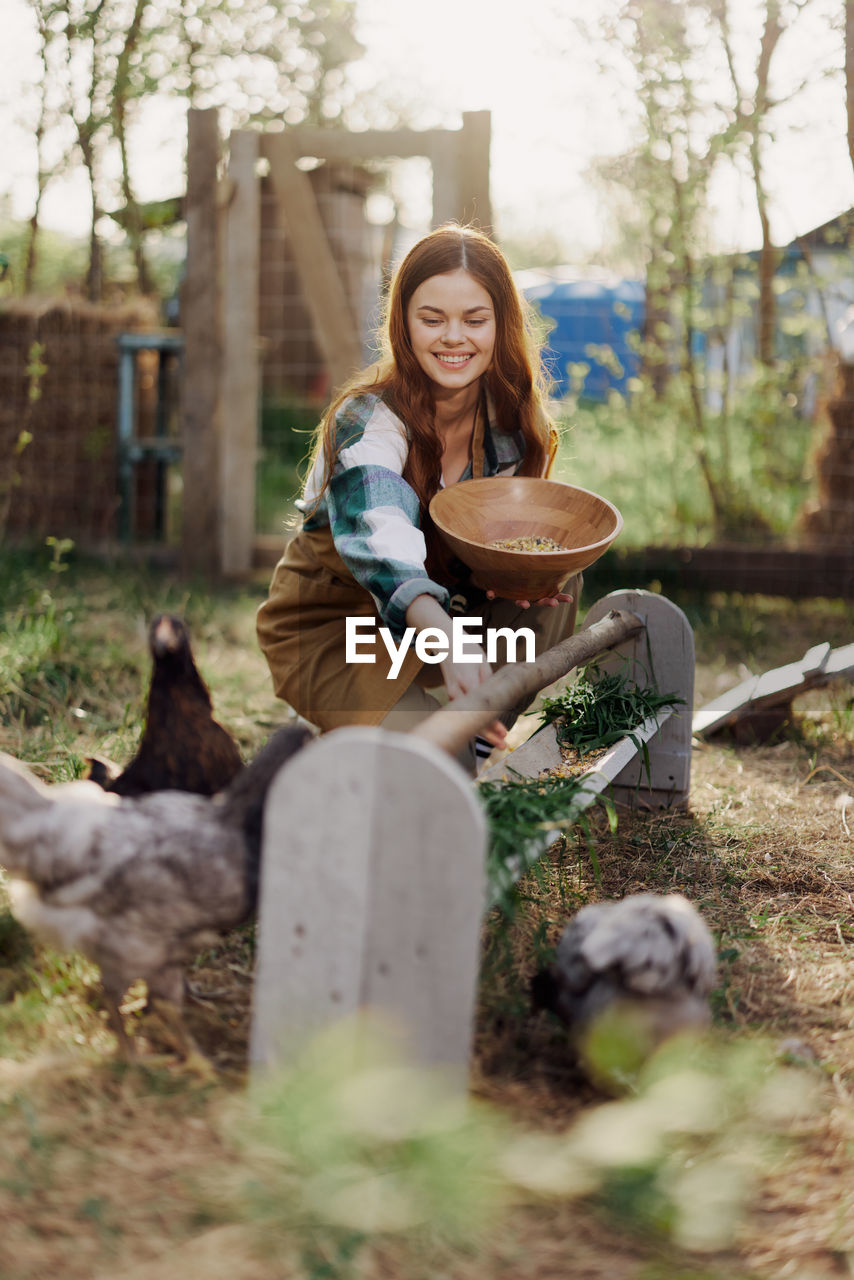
(648, 954)
(140, 885)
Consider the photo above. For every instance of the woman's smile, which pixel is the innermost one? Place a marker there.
(451, 321)
(453, 361)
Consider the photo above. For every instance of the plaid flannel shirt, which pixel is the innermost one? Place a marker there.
(374, 514)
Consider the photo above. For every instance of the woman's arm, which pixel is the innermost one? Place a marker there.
(425, 612)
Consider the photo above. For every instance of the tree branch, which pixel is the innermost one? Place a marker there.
(453, 726)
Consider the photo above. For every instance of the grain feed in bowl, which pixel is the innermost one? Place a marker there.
(530, 543)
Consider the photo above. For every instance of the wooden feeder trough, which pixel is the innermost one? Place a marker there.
(373, 885)
(475, 513)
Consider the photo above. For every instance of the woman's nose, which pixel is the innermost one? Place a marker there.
(453, 333)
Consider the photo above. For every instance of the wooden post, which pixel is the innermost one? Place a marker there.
(372, 893)
(444, 158)
(200, 320)
(662, 655)
(473, 169)
(329, 307)
(240, 355)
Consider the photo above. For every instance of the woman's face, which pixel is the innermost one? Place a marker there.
(451, 322)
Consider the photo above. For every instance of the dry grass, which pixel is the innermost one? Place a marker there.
(110, 1172)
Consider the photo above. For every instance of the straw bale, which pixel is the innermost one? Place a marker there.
(64, 480)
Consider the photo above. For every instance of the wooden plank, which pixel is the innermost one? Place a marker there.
(372, 894)
(840, 662)
(782, 571)
(721, 710)
(329, 307)
(662, 655)
(241, 381)
(775, 688)
(201, 323)
(541, 752)
(368, 144)
(815, 659)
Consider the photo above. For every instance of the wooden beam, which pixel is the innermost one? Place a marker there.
(371, 144)
(329, 307)
(200, 320)
(240, 356)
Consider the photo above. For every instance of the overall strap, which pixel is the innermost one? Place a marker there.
(477, 439)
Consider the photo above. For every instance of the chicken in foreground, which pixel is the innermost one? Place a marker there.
(648, 960)
(139, 885)
(183, 747)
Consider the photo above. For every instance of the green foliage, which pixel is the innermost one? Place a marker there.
(525, 817)
(598, 709)
(351, 1147)
(36, 369)
(640, 451)
(287, 429)
(352, 1143)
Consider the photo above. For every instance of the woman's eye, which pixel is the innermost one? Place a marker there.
(476, 323)
(429, 320)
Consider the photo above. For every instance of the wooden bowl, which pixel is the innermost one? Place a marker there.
(472, 514)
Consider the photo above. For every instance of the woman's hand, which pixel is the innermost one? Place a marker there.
(463, 677)
(560, 597)
(459, 677)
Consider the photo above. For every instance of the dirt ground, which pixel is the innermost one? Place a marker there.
(110, 1172)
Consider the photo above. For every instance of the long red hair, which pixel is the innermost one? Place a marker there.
(515, 379)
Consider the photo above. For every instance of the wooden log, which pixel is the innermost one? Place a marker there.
(453, 726)
(201, 323)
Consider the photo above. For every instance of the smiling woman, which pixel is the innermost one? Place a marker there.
(457, 395)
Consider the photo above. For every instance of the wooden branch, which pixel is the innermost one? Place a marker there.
(451, 727)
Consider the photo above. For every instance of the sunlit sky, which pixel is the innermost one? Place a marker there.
(553, 114)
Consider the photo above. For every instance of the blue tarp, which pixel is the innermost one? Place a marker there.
(589, 312)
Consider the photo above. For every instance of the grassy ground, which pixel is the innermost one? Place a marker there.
(109, 1172)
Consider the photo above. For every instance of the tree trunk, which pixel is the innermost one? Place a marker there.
(133, 219)
(849, 73)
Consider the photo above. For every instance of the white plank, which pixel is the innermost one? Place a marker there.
(372, 893)
(815, 659)
(840, 663)
(776, 687)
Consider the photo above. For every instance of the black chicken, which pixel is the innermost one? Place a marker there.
(647, 958)
(140, 885)
(182, 747)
